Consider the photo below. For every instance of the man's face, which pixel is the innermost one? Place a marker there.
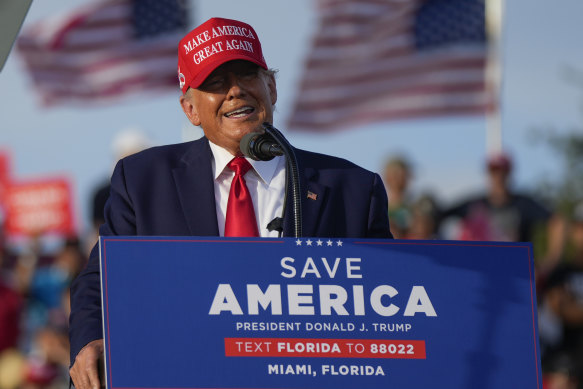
(235, 99)
(498, 177)
(397, 178)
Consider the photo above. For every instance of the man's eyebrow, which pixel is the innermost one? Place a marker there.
(213, 77)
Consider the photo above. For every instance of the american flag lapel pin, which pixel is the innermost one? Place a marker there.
(312, 195)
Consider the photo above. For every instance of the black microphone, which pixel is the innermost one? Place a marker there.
(259, 146)
(276, 225)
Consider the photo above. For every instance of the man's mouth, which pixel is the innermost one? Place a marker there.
(240, 112)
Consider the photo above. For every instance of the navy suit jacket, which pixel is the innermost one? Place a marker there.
(169, 191)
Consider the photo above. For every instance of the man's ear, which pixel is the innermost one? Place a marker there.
(187, 104)
(272, 89)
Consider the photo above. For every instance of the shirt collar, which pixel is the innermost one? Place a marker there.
(264, 169)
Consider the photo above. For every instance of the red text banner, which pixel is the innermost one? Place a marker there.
(43, 206)
(329, 348)
(4, 176)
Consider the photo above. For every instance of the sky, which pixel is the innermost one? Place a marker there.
(541, 38)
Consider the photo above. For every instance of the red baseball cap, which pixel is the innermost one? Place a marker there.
(500, 161)
(213, 43)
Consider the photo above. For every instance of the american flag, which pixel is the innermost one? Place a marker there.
(374, 60)
(105, 50)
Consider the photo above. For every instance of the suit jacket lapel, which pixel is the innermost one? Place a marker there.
(311, 206)
(195, 186)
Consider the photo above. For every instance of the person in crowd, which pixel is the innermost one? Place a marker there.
(425, 216)
(561, 306)
(560, 373)
(12, 364)
(500, 214)
(397, 174)
(34, 305)
(44, 280)
(207, 188)
(10, 309)
(127, 142)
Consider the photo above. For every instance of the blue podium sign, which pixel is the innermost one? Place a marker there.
(318, 313)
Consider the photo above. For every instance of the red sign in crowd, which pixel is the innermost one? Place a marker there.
(4, 175)
(35, 206)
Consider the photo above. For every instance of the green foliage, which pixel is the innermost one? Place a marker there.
(565, 191)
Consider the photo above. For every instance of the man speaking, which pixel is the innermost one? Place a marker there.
(208, 188)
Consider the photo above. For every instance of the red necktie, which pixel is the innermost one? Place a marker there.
(240, 219)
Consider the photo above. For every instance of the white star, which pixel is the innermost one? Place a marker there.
(329, 242)
(339, 243)
(298, 242)
(309, 242)
(319, 242)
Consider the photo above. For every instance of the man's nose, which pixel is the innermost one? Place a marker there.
(235, 86)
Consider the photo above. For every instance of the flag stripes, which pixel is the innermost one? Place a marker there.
(94, 53)
(368, 63)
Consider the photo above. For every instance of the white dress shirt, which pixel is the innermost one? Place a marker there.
(266, 183)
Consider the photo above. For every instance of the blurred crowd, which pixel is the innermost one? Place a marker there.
(34, 311)
(502, 214)
(35, 277)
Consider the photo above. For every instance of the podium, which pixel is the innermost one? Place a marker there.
(318, 313)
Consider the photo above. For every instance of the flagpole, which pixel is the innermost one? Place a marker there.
(494, 75)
